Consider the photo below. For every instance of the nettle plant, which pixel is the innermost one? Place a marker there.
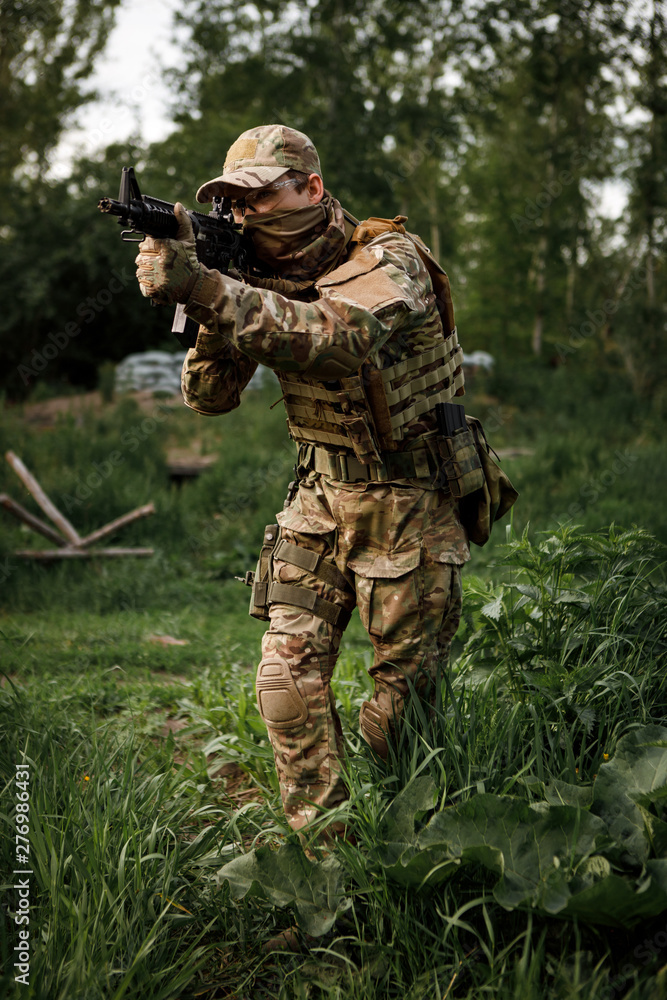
(577, 635)
(541, 771)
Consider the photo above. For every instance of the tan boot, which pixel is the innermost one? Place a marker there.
(291, 939)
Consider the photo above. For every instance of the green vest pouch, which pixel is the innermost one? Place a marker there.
(479, 510)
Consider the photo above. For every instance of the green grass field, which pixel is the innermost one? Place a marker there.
(514, 845)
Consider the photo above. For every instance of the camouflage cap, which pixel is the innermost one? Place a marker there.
(262, 155)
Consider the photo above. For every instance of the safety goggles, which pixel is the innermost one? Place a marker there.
(261, 199)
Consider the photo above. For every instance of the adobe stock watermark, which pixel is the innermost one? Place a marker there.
(22, 872)
(535, 208)
(598, 318)
(648, 951)
(87, 310)
(101, 471)
(595, 487)
(256, 483)
(410, 161)
(109, 123)
(495, 418)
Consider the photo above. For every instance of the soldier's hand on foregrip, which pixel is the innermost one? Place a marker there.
(168, 270)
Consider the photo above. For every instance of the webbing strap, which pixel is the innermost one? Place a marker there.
(436, 353)
(306, 413)
(426, 404)
(310, 434)
(422, 382)
(301, 597)
(306, 559)
(309, 391)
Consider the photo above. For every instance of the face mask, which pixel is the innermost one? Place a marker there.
(277, 236)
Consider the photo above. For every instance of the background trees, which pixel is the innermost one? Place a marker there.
(47, 51)
(494, 127)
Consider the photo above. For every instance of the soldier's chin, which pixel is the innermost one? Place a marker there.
(272, 262)
(266, 257)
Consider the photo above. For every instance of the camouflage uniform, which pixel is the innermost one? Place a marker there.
(362, 356)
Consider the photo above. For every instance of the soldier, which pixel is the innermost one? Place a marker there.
(356, 321)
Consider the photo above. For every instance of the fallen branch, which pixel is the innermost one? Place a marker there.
(120, 522)
(49, 508)
(70, 544)
(33, 522)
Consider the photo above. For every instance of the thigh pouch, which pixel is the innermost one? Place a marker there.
(266, 590)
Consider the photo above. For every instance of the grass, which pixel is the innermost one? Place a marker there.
(130, 820)
(150, 767)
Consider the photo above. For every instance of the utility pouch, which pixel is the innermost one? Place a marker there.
(261, 579)
(357, 420)
(461, 470)
(480, 509)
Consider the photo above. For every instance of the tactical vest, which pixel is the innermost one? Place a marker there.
(379, 424)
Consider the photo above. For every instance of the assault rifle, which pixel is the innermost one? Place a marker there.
(219, 242)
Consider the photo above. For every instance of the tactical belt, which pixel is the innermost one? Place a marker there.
(343, 466)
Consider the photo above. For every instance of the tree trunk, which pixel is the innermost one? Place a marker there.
(540, 285)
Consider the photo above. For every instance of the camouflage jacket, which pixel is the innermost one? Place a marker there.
(374, 319)
(361, 364)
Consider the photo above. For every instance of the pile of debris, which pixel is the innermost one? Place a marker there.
(158, 371)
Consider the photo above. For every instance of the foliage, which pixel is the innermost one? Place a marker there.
(545, 138)
(551, 858)
(578, 855)
(508, 771)
(286, 877)
(647, 224)
(583, 832)
(112, 865)
(47, 51)
(75, 302)
(495, 128)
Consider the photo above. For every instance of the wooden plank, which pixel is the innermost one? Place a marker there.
(33, 522)
(49, 508)
(120, 522)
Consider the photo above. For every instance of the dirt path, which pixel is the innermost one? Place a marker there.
(46, 412)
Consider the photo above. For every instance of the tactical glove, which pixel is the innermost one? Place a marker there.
(168, 270)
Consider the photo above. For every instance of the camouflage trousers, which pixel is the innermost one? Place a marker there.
(395, 551)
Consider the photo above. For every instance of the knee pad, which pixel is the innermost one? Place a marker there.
(280, 704)
(375, 726)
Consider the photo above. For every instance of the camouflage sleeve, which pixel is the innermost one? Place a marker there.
(383, 289)
(214, 374)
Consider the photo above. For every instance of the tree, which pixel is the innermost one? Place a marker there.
(47, 51)
(539, 94)
(642, 320)
(69, 291)
(364, 78)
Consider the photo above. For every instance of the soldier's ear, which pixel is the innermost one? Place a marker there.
(315, 188)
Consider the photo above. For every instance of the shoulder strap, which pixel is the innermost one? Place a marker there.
(371, 228)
